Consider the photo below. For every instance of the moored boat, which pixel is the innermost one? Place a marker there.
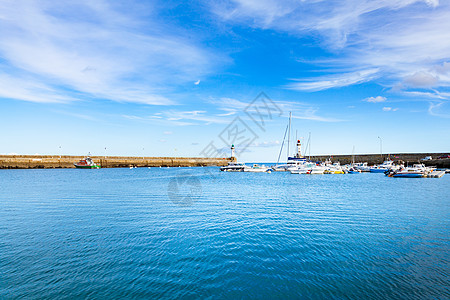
(385, 166)
(416, 171)
(257, 169)
(235, 167)
(86, 163)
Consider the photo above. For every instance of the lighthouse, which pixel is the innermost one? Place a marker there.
(299, 150)
(232, 151)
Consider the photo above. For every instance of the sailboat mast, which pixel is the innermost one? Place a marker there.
(282, 144)
(289, 135)
(309, 145)
(353, 156)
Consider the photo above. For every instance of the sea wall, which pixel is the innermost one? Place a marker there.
(65, 161)
(406, 158)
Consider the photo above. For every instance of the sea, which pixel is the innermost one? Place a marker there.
(197, 233)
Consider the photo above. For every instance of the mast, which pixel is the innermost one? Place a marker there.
(309, 146)
(289, 134)
(282, 144)
(353, 155)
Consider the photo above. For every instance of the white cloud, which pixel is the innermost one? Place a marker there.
(421, 79)
(334, 81)
(399, 38)
(435, 109)
(300, 110)
(386, 108)
(168, 132)
(94, 50)
(376, 99)
(197, 82)
(265, 144)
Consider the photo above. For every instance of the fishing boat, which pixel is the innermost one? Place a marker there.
(416, 171)
(86, 163)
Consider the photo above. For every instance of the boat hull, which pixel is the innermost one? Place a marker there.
(408, 175)
(87, 167)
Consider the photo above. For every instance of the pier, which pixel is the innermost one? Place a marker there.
(67, 161)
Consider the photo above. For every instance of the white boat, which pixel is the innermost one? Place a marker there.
(307, 168)
(332, 168)
(416, 171)
(235, 167)
(385, 166)
(257, 169)
(293, 162)
(362, 166)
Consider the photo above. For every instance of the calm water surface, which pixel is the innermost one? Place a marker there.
(200, 233)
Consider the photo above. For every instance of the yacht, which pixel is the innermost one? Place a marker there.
(235, 167)
(385, 166)
(332, 168)
(257, 169)
(416, 171)
(362, 166)
(307, 168)
(293, 162)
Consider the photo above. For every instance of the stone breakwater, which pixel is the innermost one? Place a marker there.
(65, 161)
(406, 158)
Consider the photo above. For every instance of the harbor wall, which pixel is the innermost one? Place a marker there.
(66, 161)
(405, 158)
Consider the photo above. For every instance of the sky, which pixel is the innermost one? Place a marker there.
(164, 78)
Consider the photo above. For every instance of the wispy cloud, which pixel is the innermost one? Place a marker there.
(299, 110)
(397, 41)
(376, 99)
(94, 50)
(435, 109)
(333, 81)
(265, 144)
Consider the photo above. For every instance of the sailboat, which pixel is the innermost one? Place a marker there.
(292, 161)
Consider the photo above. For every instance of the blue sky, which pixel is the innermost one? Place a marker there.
(160, 78)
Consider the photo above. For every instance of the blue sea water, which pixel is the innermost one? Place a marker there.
(201, 233)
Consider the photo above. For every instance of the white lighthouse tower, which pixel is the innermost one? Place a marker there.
(233, 154)
(299, 150)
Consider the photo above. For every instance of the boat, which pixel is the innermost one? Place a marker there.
(293, 162)
(308, 168)
(257, 169)
(332, 168)
(385, 166)
(362, 166)
(235, 167)
(416, 171)
(86, 163)
(350, 169)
